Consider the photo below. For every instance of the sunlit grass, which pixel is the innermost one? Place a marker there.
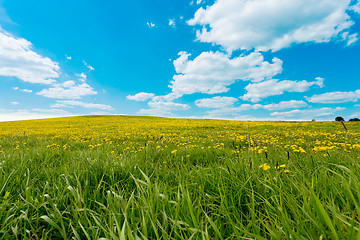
(156, 178)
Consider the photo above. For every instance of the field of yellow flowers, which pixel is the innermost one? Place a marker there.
(128, 177)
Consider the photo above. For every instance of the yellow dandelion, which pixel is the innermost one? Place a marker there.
(265, 166)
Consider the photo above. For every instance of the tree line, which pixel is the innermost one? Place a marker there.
(341, 119)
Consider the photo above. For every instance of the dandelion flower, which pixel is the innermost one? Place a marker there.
(265, 166)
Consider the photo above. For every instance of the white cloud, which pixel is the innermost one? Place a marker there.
(229, 112)
(67, 90)
(213, 72)
(158, 108)
(198, 2)
(172, 22)
(82, 76)
(53, 111)
(335, 97)
(285, 105)
(73, 103)
(308, 114)
(355, 115)
(23, 90)
(15, 115)
(166, 98)
(271, 24)
(15, 103)
(274, 106)
(350, 38)
(88, 66)
(141, 96)
(17, 59)
(356, 7)
(168, 105)
(68, 57)
(258, 91)
(150, 24)
(100, 113)
(216, 102)
(26, 90)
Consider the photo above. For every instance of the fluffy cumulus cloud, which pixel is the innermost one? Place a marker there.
(165, 109)
(307, 114)
(67, 90)
(22, 90)
(216, 102)
(258, 91)
(17, 59)
(82, 76)
(141, 96)
(285, 105)
(213, 72)
(297, 114)
(335, 97)
(73, 103)
(234, 112)
(272, 24)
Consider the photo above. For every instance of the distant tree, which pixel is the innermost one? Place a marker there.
(354, 119)
(313, 120)
(339, 119)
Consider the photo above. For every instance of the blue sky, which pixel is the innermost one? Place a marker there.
(226, 59)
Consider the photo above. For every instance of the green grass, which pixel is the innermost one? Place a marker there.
(85, 193)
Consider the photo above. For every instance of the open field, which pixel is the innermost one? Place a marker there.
(120, 177)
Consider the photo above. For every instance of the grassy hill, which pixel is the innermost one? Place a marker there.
(129, 177)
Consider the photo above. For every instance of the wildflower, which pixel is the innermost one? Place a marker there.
(302, 150)
(173, 151)
(286, 171)
(265, 166)
(281, 166)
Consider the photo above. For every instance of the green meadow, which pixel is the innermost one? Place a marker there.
(123, 177)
